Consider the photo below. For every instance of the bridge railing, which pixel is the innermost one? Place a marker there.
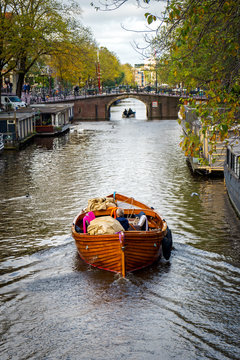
(32, 97)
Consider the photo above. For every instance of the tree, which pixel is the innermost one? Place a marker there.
(110, 5)
(128, 74)
(41, 26)
(201, 42)
(8, 40)
(109, 65)
(74, 59)
(30, 29)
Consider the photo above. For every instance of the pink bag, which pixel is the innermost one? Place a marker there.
(88, 217)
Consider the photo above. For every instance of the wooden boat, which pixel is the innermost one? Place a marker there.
(125, 251)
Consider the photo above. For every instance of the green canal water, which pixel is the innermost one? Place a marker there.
(54, 306)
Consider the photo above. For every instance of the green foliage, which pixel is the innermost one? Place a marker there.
(43, 38)
(36, 29)
(150, 18)
(128, 78)
(200, 43)
(110, 66)
(74, 58)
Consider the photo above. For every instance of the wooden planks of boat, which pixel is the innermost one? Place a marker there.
(125, 251)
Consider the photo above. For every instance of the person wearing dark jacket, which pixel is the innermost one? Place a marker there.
(130, 112)
(120, 217)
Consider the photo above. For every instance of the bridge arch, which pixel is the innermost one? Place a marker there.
(97, 107)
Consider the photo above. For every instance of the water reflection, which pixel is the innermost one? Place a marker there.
(51, 143)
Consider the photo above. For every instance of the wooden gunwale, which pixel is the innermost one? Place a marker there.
(130, 200)
(148, 212)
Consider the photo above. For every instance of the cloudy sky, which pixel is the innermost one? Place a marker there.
(107, 30)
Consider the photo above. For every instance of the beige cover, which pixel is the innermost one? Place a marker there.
(104, 225)
(100, 204)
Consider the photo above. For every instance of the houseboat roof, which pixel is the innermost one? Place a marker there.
(234, 146)
(19, 115)
(51, 108)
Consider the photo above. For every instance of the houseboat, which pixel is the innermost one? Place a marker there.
(17, 128)
(232, 174)
(53, 119)
(214, 160)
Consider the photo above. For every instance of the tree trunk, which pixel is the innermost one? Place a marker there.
(21, 75)
(20, 82)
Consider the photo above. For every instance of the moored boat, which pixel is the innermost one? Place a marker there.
(53, 119)
(232, 174)
(121, 251)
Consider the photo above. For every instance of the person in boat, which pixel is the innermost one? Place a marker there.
(143, 222)
(130, 112)
(125, 112)
(120, 217)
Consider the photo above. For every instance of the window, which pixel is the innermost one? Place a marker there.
(228, 157)
(232, 161)
(238, 166)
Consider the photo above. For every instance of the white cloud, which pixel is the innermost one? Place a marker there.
(108, 32)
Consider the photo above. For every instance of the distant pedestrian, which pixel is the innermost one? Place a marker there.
(27, 88)
(76, 90)
(7, 85)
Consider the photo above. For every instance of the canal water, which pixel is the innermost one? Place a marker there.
(53, 306)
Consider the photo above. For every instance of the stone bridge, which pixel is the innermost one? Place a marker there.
(97, 107)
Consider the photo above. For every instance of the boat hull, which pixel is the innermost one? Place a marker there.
(120, 253)
(50, 130)
(233, 188)
(129, 116)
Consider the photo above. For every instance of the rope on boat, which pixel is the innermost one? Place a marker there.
(131, 204)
